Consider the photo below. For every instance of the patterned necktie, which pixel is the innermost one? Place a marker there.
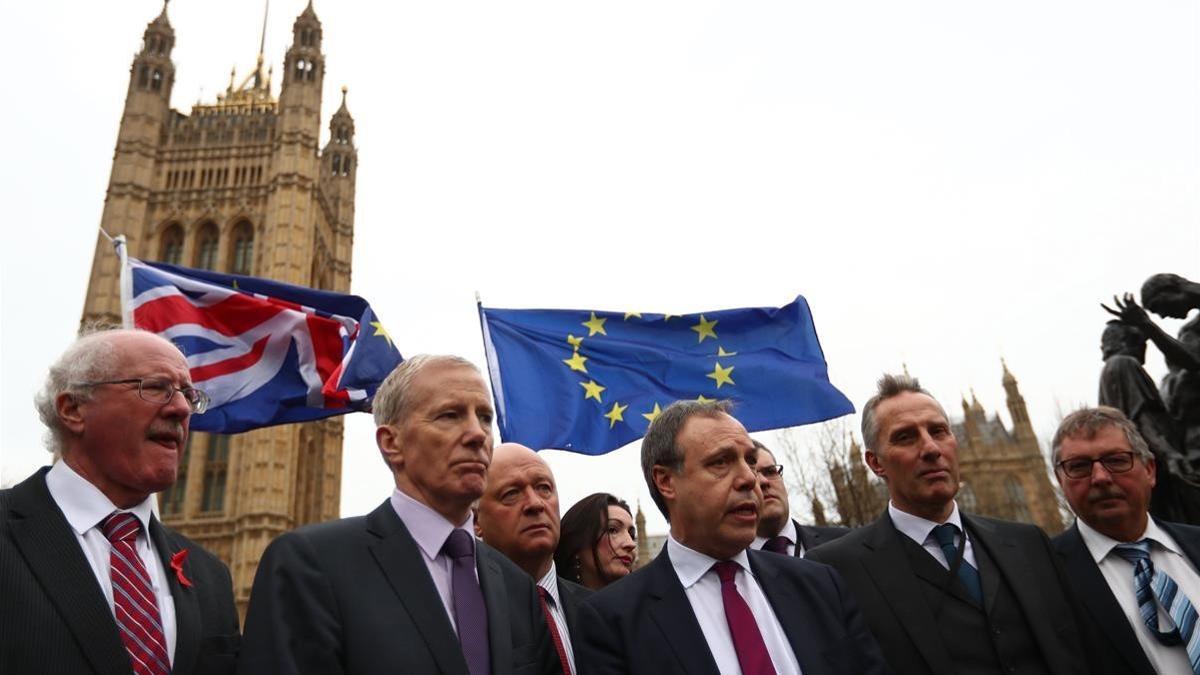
(470, 613)
(747, 640)
(777, 544)
(967, 574)
(1151, 586)
(544, 595)
(134, 604)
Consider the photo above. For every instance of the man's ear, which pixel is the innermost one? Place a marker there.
(67, 407)
(664, 480)
(874, 464)
(387, 437)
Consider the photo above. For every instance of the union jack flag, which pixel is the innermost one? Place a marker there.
(265, 352)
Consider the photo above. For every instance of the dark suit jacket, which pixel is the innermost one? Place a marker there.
(645, 624)
(571, 594)
(879, 573)
(1112, 638)
(812, 536)
(355, 596)
(55, 618)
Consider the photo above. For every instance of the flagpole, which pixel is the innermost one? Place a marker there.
(493, 368)
(126, 280)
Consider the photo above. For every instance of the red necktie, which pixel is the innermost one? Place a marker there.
(747, 640)
(777, 545)
(134, 604)
(558, 643)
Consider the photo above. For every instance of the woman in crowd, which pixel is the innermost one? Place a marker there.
(598, 543)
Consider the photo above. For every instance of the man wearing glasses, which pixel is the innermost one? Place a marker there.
(777, 531)
(91, 581)
(1136, 576)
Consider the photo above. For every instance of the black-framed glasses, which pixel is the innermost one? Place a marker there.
(771, 471)
(1081, 467)
(160, 390)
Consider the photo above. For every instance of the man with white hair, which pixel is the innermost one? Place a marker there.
(91, 581)
(406, 588)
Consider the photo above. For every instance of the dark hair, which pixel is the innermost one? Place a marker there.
(582, 527)
(658, 446)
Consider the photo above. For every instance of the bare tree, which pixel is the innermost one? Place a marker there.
(824, 467)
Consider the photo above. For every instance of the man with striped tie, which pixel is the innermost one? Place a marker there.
(91, 581)
(1136, 576)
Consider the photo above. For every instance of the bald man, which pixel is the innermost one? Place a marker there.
(518, 516)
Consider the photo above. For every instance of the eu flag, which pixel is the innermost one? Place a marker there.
(591, 382)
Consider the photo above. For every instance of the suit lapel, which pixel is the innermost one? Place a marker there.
(187, 606)
(404, 567)
(673, 615)
(566, 595)
(1186, 538)
(495, 596)
(790, 610)
(808, 539)
(889, 568)
(50, 548)
(1099, 600)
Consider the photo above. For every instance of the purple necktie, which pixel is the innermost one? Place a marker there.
(747, 640)
(470, 614)
(777, 545)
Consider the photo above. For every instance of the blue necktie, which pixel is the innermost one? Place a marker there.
(967, 574)
(470, 612)
(1151, 587)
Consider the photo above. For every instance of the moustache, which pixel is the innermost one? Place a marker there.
(1101, 494)
(171, 429)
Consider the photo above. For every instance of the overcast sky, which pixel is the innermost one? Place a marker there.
(946, 182)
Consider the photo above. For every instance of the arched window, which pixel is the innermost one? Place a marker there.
(337, 164)
(143, 76)
(170, 248)
(966, 498)
(156, 80)
(243, 248)
(1017, 506)
(206, 247)
(171, 499)
(216, 468)
(346, 167)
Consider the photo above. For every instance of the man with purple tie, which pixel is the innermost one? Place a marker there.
(778, 532)
(707, 604)
(406, 588)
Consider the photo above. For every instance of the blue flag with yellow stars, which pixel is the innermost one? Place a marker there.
(591, 382)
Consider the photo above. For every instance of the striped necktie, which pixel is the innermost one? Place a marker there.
(134, 604)
(1156, 589)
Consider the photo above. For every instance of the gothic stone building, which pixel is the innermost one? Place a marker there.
(238, 185)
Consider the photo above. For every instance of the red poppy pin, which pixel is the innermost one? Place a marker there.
(177, 561)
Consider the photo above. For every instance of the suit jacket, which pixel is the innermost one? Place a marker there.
(571, 594)
(878, 571)
(355, 596)
(812, 536)
(55, 617)
(644, 623)
(1111, 637)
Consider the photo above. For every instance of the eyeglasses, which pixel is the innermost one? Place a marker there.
(160, 391)
(1081, 467)
(771, 471)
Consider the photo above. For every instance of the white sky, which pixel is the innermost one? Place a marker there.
(946, 182)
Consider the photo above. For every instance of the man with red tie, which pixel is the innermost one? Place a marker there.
(707, 604)
(518, 516)
(91, 581)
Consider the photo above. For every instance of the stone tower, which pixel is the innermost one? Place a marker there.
(238, 185)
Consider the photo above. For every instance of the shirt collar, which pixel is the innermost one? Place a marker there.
(917, 528)
(691, 565)
(550, 583)
(428, 528)
(83, 504)
(1100, 545)
(789, 531)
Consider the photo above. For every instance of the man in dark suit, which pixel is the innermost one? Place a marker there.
(518, 516)
(777, 531)
(938, 601)
(1107, 473)
(707, 604)
(91, 581)
(405, 588)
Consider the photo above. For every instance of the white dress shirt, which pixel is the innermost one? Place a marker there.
(921, 531)
(703, 590)
(431, 530)
(550, 583)
(1167, 557)
(85, 507)
(789, 531)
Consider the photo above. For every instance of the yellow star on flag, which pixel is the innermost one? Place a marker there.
(593, 390)
(704, 399)
(721, 375)
(633, 315)
(576, 362)
(705, 329)
(595, 325)
(380, 330)
(575, 342)
(721, 352)
(650, 416)
(615, 415)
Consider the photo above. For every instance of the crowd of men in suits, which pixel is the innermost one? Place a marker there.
(455, 573)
